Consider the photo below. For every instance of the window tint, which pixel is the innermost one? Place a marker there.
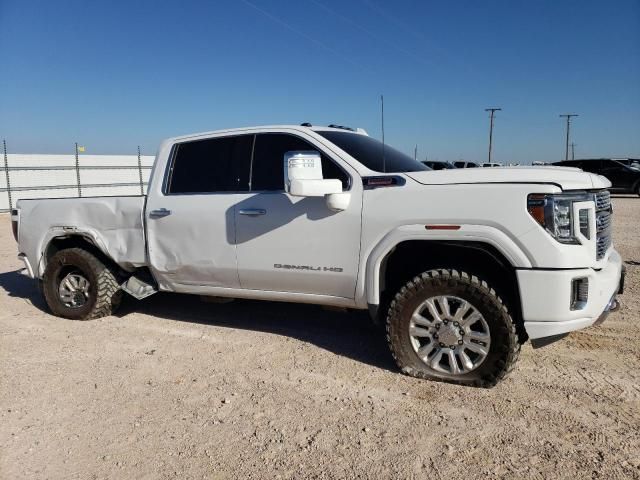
(369, 152)
(268, 161)
(212, 165)
(593, 166)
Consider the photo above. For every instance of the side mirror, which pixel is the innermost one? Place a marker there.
(303, 175)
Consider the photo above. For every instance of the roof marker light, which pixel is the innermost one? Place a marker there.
(442, 227)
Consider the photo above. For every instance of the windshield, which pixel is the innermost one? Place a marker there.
(369, 152)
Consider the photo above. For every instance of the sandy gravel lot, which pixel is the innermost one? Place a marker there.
(174, 387)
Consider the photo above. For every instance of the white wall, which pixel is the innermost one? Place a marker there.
(59, 170)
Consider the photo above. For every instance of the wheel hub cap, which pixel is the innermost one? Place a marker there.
(74, 290)
(449, 335)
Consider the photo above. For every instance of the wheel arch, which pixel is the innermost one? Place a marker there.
(57, 240)
(483, 251)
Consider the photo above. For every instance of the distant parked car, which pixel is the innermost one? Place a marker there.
(436, 165)
(462, 164)
(492, 165)
(623, 174)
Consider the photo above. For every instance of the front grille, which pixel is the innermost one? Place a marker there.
(603, 200)
(603, 223)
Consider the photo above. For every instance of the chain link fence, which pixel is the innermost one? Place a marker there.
(75, 175)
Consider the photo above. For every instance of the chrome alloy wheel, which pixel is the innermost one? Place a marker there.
(449, 335)
(73, 290)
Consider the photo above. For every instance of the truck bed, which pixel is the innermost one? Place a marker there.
(114, 224)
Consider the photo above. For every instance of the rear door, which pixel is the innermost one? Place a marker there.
(296, 244)
(190, 224)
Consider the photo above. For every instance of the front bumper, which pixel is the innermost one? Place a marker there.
(546, 298)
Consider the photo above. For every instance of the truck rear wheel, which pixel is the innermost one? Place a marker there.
(78, 286)
(451, 326)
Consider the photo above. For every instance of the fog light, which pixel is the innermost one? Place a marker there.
(579, 293)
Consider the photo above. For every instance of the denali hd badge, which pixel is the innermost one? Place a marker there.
(307, 267)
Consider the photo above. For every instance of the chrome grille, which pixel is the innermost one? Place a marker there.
(603, 223)
(603, 200)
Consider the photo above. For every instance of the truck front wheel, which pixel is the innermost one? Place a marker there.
(451, 326)
(78, 286)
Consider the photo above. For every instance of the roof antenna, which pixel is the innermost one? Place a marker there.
(384, 163)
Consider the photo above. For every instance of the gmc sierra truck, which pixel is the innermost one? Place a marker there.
(461, 265)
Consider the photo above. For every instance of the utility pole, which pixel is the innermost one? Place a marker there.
(78, 172)
(384, 162)
(566, 148)
(573, 151)
(491, 115)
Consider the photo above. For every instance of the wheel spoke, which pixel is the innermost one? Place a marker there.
(474, 347)
(68, 285)
(424, 351)
(480, 336)
(435, 361)
(462, 311)
(471, 319)
(453, 362)
(466, 361)
(433, 310)
(419, 332)
(444, 306)
(420, 320)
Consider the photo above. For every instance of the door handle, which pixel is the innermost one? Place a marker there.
(252, 212)
(162, 212)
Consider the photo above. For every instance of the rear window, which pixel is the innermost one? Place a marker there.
(212, 165)
(372, 153)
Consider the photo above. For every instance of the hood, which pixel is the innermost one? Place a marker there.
(566, 178)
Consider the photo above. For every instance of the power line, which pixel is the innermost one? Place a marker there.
(566, 148)
(493, 110)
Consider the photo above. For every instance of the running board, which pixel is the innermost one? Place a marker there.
(138, 288)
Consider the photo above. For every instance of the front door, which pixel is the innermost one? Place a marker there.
(190, 226)
(295, 244)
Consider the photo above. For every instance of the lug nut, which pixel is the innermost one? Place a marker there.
(435, 335)
(461, 332)
(459, 342)
(456, 324)
(441, 345)
(444, 321)
(437, 326)
(452, 347)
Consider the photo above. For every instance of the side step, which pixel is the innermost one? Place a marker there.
(139, 288)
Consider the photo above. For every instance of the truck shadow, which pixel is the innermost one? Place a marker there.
(348, 334)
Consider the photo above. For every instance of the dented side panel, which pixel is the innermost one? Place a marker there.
(113, 224)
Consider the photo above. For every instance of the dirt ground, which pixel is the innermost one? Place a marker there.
(174, 387)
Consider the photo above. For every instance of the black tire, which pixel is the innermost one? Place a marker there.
(104, 293)
(504, 347)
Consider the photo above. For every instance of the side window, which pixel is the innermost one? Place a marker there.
(593, 166)
(211, 165)
(267, 170)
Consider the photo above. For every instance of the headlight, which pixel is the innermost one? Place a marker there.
(555, 214)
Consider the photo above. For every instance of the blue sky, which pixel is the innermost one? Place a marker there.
(114, 75)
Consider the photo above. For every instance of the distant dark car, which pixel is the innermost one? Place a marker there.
(462, 164)
(435, 165)
(624, 174)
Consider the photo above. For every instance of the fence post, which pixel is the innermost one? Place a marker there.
(140, 172)
(6, 173)
(78, 172)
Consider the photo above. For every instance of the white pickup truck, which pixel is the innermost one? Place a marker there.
(463, 265)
